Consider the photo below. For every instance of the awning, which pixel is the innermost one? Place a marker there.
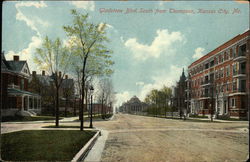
(18, 92)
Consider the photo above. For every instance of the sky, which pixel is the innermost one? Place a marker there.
(151, 44)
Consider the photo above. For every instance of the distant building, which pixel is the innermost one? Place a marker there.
(179, 95)
(219, 82)
(17, 99)
(133, 106)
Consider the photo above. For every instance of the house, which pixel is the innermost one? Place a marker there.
(17, 99)
(219, 82)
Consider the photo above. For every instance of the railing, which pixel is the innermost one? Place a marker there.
(239, 90)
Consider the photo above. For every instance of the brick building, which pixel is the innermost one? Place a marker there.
(219, 82)
(17, 99)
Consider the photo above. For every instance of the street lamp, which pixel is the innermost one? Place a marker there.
(91, 88)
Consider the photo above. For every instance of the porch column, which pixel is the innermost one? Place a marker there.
(22, 103)
(40, 103)
(33, 104)
(28, 103)
(37, 103)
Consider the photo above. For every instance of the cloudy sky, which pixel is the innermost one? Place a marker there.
(151, 44)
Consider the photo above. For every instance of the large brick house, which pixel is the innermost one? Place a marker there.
(16, 97)
(219, 82)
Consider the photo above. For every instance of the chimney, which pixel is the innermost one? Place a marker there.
(60, 74)
(66, 76)
(43, 73)
(16, 58)
(33, 73)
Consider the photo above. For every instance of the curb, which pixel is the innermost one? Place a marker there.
(81, 155)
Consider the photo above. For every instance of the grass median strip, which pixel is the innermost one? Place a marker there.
(45, 145)
(27, 118)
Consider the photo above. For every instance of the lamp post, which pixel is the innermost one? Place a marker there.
(91, 109)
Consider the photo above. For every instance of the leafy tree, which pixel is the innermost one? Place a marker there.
(158, 100)
(88, 41)
(55, 59)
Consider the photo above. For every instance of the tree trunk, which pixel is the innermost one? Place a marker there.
(57, 106)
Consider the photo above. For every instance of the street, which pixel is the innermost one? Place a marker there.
(139, 138)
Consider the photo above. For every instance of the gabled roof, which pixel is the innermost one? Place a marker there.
(17, 66)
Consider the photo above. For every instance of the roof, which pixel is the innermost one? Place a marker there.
(44, 79)
(17, 65)
(221, 47)
(67, 83)
(5, 64)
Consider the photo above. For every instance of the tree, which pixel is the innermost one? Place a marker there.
(55, 58)
(89, 39)
(106, 94)
(158, 99)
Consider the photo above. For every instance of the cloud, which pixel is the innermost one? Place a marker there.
(87, 5)
(31, 22)
(122, 97)
(139, 83)
(167, 78)
(162, 44)
(199, 52)
(26, 54)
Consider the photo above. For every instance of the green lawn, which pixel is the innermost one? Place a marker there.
(46, 145)
(27, 118)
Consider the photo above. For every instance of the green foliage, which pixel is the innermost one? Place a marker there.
(53, 56)
(87, 42)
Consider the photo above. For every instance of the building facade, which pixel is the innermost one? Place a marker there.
(218, 83)
(133, 106)
(17, 99)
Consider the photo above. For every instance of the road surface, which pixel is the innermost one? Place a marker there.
(138, 138)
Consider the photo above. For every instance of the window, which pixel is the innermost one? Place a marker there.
(234, 85)
(227, 87)
(234, 69)
(222, 72)
(234, 52)
(212, 63)
(222, 58)
(233, 104)
(228, 70)
(22, 84)
(206, 65)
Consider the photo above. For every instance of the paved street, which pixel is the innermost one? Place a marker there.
(137, 138)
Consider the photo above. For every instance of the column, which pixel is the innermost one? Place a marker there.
(28, 103)
(22, 103)
(37, 103)
(33, 103)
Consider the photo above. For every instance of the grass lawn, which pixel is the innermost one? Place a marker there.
(46, 145)
(27, 118)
